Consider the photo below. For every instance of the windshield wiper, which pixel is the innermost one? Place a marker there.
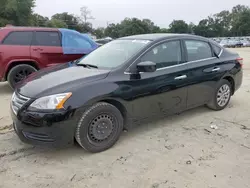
(87, 65)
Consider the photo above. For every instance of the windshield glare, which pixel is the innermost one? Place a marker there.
(114, 54)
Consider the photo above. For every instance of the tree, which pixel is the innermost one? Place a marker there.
(241, 26)
(99, 32)
(112, 31)
(240, 20)
(56, 23)
(39, 21)
(150, 26)
(191, 27)
(131, 26)
(178, 26)
(164, 30)
(74, 22)
(15, 12)
(86, 14)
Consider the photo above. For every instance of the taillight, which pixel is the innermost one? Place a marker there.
(240, 61)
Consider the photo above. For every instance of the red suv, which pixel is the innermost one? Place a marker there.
(24, 50)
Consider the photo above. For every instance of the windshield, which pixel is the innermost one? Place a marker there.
(113, 54)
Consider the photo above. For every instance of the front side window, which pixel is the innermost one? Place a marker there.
(114, 54)
(198, 50)
(47, 38)
(165, 54)
(19, 38)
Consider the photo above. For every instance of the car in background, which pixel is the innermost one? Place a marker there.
(103, 41)
(224, 43)
(238, 43)
(232, 43)
(245, 42)
(24, 50)
(125, 81)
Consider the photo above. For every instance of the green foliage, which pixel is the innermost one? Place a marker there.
(131, 26)
(39, 21)
(178, 26)
(99, 32)
(226, 23)
(16, 12)
(56, 23)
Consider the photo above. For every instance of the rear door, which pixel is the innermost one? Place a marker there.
(15, 47)
(204, 70)
(46, 48)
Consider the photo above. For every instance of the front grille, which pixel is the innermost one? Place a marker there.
(18, 101)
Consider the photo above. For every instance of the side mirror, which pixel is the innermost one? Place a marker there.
(146, 66)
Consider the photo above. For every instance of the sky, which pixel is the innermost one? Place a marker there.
(161, 12)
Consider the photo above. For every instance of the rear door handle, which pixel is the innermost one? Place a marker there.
(37, 49)
(180, 77)
(215, 69)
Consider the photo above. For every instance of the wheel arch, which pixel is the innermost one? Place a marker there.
(231, 81)
(119, 106)
(14, 63)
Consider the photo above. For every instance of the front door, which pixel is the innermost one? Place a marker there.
(204, 70)
(163, 91)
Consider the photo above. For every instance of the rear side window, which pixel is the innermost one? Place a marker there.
(19, 38)
(198, 50)
(216, 49)
(77, 41)
(47, 38)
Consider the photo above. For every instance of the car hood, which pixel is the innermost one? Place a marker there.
(58, 79)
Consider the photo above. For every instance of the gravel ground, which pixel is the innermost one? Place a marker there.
(176, 152)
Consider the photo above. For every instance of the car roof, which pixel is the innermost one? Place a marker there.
(159, 36)
(15, 28)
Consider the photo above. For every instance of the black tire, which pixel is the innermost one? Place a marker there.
(18, 73)
(214, 104)
(87, 131)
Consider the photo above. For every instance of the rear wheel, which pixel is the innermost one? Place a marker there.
(99, 127)
(18, 73)
(221, 96)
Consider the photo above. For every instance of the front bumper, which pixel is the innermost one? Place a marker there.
(49, 129)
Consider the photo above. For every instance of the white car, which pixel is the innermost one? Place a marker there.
(246, 43)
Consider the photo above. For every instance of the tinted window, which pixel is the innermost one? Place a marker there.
(164, 55)
(47, 38)
(76, 41)
(197, 50)
(19, 38)
(217, 49)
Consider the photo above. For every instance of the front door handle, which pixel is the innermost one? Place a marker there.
(180, 77)
(215, 69)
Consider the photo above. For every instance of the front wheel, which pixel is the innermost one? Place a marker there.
(221, 96)
(99, 127)
(18, 73)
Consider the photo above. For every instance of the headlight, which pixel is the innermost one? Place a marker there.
(51, 102)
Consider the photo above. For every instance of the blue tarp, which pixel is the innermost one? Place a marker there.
(74, 42)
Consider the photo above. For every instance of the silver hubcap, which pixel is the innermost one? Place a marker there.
(223, 95)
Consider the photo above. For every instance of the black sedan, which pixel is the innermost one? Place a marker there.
(129, 79)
